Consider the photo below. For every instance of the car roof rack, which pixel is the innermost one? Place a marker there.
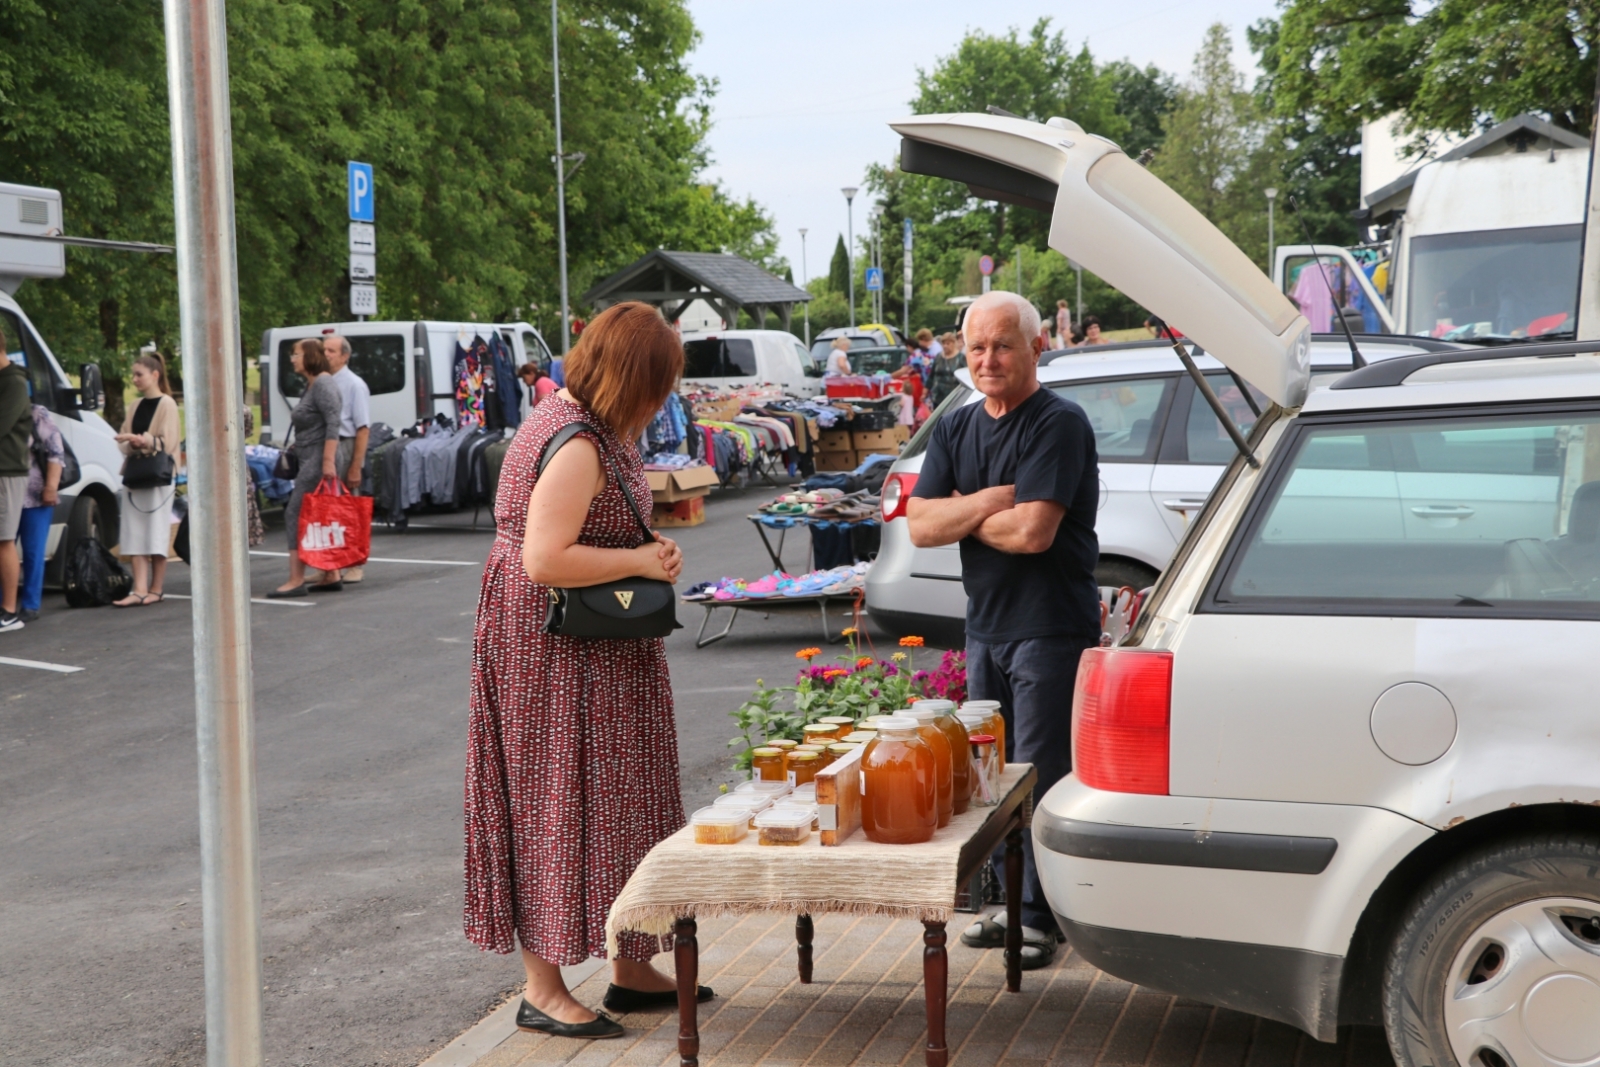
(1391, 372)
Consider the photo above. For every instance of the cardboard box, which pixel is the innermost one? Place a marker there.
(721, 410)
(690, 512)
(834, 441)
(667, 486)
(836, 461)
(885, 441)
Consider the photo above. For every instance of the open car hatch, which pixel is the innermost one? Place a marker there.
(1127, 226)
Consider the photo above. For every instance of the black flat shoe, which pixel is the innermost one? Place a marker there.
(285, 594)
(325, 587)
(532, 1019)
(622, 1000)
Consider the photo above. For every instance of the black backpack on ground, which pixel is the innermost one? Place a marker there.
(93, 577)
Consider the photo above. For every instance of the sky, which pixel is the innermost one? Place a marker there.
(808, 87)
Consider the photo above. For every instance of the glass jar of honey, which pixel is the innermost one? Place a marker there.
(844, 722)
(766, 763)
(960, 766)
(997, 725)
(841, 749)
(782, 744)
(803, 767)
(899, 790)
(819, 733)
(939, 742)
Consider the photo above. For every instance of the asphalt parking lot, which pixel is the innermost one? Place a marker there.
(361, 714)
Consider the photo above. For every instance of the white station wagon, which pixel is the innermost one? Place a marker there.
(1345, 768)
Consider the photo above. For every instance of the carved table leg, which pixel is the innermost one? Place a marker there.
(686, 957)
(1014, 910)
(936, 982)
(802, 939)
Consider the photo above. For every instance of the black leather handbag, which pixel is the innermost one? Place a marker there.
(154, 470)
(626, 608)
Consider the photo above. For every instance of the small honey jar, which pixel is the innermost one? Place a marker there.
(767, 764)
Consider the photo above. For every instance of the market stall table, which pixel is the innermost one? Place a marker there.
(680, 880)
(766, 605)
(784, 523)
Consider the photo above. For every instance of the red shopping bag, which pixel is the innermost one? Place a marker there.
(335, 527)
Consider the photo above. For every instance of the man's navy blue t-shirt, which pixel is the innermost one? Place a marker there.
(1044, 447)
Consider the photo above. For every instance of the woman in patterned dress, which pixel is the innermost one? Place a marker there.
(572, 754)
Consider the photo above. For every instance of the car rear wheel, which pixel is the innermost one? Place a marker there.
(1497, 962)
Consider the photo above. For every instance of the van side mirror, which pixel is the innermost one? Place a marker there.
(91, 387)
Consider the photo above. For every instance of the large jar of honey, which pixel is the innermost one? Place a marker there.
(767, 764)
(960, 763)
(939, 741)
(997, 725)
(899, 790)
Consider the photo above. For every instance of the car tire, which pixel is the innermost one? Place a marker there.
(85, 520)
(1116, 573)
(1497, 960)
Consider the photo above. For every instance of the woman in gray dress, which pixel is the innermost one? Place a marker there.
(315, 426)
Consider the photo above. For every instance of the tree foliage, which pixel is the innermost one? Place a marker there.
(451, 103)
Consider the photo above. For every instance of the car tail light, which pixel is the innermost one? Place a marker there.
(1121, 720)
(896, 492)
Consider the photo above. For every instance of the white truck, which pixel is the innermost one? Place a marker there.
(88, 505)
(409, 366)
(1481, 244)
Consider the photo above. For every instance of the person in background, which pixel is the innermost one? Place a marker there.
(1063, 325)
(1046, 343)
(314, 423)
(1091, 331)
(150, 426)
(839, 357)
(15, 426)
(540, 384)
(942, 374)
(355, 424)
(44, 481)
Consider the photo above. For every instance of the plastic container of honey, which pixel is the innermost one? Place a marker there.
(997, 725)
(899, 791)
(784, 825)
(803, 767)
(754, 803)
(791, 803)
(770, 790)
(960, 767)
(720, 825)
(820, 733)
(939, 742)
(805, 794)
(766, 763)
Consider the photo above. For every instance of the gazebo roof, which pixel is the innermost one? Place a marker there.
(664, 277)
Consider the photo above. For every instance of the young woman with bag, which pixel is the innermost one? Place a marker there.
(572, 754)
(314, 428)
(149, 439)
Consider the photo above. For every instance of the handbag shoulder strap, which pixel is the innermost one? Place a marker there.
(567, 433)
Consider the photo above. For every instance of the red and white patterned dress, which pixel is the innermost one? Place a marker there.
(572, 748)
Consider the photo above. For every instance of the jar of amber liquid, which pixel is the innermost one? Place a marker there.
(899, 791)
(997, 725)
(937, 740)
(960, 766)
(767, 764)
(844, 723)
(820, 750)
(819, 733)
(803, 767)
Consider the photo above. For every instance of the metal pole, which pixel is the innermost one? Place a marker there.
(805, 276)
(849, 248)
(561, 177)
(208, 315)
(1272, 236)
(1080, 295)
(1587, 326)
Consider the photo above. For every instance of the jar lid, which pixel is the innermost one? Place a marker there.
(819, 728)
(843, 748)
(760, 788)
(936, 705)
(803, 757)
(807, 748)
(918, 714)
(981, 705)
(785, 743)
(972, 718)
(858, 737)
(838, 720)
(765, 752)
(982, 739)
(720, 816)
(897, 722)
(874, 720)
(792, 818)
(751, 802)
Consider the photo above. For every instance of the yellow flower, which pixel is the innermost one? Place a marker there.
(807, 654)
(848, 631)
(898, 656)
(912, 642)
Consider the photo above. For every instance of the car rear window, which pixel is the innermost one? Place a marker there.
(719, 357)
(1459, 516)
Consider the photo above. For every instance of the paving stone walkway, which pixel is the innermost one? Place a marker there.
(865, 1006)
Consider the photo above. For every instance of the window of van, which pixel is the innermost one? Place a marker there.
(22, 347)
(719, 357)
(379, 360)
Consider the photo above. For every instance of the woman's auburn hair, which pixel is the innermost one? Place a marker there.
(625, 365)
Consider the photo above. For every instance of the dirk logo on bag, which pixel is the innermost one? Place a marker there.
(320, 536)
(624, 597)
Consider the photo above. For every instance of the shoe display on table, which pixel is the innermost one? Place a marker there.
(765, 587)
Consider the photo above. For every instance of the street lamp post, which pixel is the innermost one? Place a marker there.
(849, 192)
(561, 174)
(1272, 247)
(877, 261)
(805, 278)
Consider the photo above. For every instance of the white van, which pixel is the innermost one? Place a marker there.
(734, 359)
(407, 365)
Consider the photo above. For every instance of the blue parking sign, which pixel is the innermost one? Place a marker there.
(360, 187)
(874, 279)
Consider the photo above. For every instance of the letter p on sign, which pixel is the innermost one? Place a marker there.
(360, 187)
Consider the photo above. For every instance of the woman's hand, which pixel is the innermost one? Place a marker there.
(329, 471)
(142, 441)
(671, 557)
(651, 560)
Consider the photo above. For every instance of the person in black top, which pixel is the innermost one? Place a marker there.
(1015, 480)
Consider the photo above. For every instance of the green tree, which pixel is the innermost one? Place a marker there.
(839, 268)
(1143, 98)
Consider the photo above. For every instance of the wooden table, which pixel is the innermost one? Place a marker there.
(1006, 822)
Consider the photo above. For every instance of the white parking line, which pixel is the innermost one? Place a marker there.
(381, 559)
(38, 665)
(253, 600)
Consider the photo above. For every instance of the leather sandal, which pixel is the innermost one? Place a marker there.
(535, 1021)
(1038, 946)
(623, 1000)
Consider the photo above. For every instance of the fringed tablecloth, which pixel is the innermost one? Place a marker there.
(680, 878)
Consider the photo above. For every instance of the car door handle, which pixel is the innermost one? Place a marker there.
(1443, 511)
(1184, 504)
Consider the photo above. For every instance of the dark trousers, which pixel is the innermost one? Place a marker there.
(1033, 680)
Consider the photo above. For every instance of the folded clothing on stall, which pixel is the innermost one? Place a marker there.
(833, 581)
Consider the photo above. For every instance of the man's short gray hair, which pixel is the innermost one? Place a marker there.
(1027, 314)
(336, 339)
